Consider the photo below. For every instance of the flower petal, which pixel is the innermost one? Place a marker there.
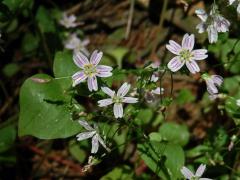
(85, 125)
(200, 170)
(231, 1)
(92, 83)
(201, 14)
(95, 144)
(175, 64)
(174, 47)
(78, 77)
(205, 179)
(123, 90)
(130, 100)
(188, 41)
(96, 57)
(85, 135)
(186, 172)
(211, 88)
(157, 91)
(212, 34)
(108, 91)
(238, 8)
(102, 143)
(118, 110)
(202, 27)
(80, 59)
(218, 80)
(199, 54)
(105, 102)
(192, 66)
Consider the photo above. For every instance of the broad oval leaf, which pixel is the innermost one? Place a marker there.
(45, 109)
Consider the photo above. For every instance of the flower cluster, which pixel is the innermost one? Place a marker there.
(76, 44)
(212, 23)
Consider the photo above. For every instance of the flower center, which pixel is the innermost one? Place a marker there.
(117, 99)
(186, 55)
(90, 70)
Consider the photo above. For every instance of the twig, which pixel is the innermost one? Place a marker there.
(130, 18)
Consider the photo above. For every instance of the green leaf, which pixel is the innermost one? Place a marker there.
(144, 116)
(10, 69)
(174, 133)
(118, 54)
(64, 68)
(164, 159)
(45, 109)
(29, 43)
(45, 22)
(7, 138)
(75, 150)
(119, 173)
(185, 96)
(13, 5)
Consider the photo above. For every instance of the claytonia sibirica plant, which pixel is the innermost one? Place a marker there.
(68, 21)
(212, 23)
(76, 44)
(212, 83)
(90, 69)
(91, 133)
(117, 99)
(197, 176)
(237, 2)
(185, 54)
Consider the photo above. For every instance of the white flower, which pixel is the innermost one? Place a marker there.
(90, 70)
(117, 99)
(91, 133)
(212, 23)
(197, 176)
(238, 4)
(185, 54)
(68, 21)
(238, 102)
(212, 83)
(76, 44)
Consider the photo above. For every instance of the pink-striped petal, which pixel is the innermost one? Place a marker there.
(130, 100)
(200, 170)
(92, 83)
(85, 125)
(108, 91)
(95, 144)
(85, 135)
(96, 57)
(188, 42)
(80, 59)
(174, 47)
(123, 90)
(218, 80)
(78, 77)
(105, 102)
(175, 64)
(187, 173)
(192, 66)
(118, 110)
(211, 88)
(199, 54)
